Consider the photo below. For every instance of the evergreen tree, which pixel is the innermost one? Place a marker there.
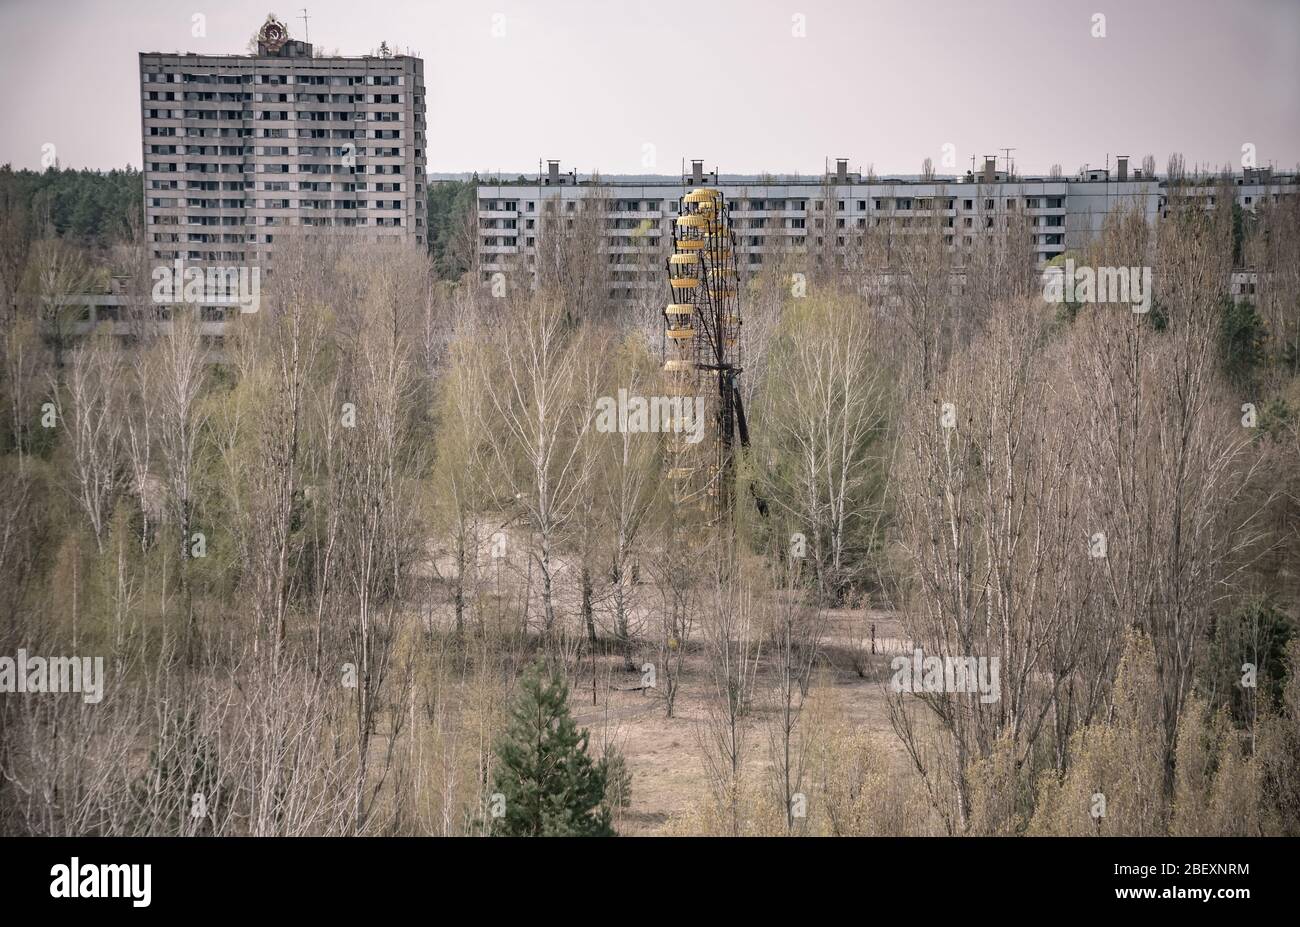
(1243, 341)
(550, 785)
(449, 205)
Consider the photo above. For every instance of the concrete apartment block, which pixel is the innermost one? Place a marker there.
(240, 147)
(781, 216)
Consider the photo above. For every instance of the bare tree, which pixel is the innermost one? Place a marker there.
(628, 482)
(378, 535)
(825, 412)
(94, 430)
(457, 477)
(733, 642)
(793, 639)
(57, 273)
(285, 344)
(136, 403)
(540, 392)
(1173, 489)
(182, 373)
(573, 260)
(990, 532)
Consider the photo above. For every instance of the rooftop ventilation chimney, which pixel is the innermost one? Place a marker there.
(697, 172)
(553, 173)
(842, 170)
(1121, 167)
(990, 168)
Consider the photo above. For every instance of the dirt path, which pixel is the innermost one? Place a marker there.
(665, 754)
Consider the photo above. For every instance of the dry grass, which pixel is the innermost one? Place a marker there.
(665, 755)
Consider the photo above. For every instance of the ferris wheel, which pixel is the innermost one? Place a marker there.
(702, 356)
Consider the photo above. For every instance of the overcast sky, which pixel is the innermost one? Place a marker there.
(748, 85)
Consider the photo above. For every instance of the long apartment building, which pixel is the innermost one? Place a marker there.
(774, 217)
(238, 148)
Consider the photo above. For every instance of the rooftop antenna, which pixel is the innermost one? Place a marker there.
(1006, 157)
(306, 36)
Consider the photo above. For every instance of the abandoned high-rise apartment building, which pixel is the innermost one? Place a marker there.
(835, 212)
(239, 147)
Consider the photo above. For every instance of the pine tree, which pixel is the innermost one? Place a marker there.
(550, 786)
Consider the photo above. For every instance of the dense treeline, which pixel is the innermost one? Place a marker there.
(97, 208)
(451, 207)
(318, 558)
(94, 208)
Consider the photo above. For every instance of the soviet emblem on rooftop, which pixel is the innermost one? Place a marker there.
(273, 33)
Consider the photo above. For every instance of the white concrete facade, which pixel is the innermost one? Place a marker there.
(237, 147)
(783, 216)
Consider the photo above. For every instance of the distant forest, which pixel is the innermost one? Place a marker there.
(93, 207)
(96, 208)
